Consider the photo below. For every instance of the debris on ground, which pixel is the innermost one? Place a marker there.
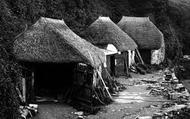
(28, 111)
(25, 110)
(140, 68)
(80, 114)
(177, 95)
(170, 88)
(144, 117)
(146, 92)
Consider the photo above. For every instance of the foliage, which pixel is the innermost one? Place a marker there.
(159, 9)
(9, 70)
(16, 15)
(9, 78)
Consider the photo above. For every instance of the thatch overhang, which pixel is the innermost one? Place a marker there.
(51, 40)
(143, 32)
(109, 49)
(104, 31)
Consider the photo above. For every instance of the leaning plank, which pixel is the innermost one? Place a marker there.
(104, 85)
(139, 56)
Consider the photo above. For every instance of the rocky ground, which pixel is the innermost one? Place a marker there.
(131, 103)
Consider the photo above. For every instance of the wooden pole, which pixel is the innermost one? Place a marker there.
(104, 85)
(32, 87)
(24, 89)
(139, 56)
(123, 58)
(112, 65)
(126, 63)
(129, 57)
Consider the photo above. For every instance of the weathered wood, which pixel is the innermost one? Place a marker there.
(32, 87)
(19, 94)
(126, 67)
(112, 65)
(24, 89)
(104, 85)
(139, 56)
(108, 74)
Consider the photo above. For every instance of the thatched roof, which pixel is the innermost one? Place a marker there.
(51, 40)
(143, 31)
(104, 31)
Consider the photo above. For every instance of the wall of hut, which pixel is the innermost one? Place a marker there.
(158, 56)
(121, 64)
(75, 83)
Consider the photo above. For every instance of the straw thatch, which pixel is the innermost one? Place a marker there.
(104, 31)
(51, 40)
(143, 31)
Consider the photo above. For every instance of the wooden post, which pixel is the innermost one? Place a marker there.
(123, 58)
(104, 85)
(139, 56)
(129, 57)
(32, 88)
(112, 65)
(126, 63)
(24, 89)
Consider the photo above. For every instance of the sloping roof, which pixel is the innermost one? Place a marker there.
(104, 31)
(51, 40)
(143, 32)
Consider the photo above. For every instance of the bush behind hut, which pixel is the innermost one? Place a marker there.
(9, 79)
(15, 15)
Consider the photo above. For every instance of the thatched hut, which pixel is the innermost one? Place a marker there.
(147, 36)
(50, 40)
(60, 61)
(103, 32)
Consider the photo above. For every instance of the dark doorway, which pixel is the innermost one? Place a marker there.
(50, 79)
(146, 55)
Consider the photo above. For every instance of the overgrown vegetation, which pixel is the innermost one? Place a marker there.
(79, 14)
(9, 79)
(16, 15)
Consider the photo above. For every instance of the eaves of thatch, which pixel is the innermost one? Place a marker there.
(51, 40)
(103, 31)
(143, 32)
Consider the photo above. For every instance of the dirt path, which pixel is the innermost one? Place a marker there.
(55, 111)
(130, 103)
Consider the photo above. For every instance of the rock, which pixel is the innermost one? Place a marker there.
(144, 117)
(157, 116)
(33, 106)
(80, 117)
(79, 113)
(175, 108)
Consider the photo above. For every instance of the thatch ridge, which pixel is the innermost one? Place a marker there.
(143, 31)
(51, 40)
(104, 31)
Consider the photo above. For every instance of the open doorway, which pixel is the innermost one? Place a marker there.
(52, 80)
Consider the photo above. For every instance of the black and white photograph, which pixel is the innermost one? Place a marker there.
(94, 59)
